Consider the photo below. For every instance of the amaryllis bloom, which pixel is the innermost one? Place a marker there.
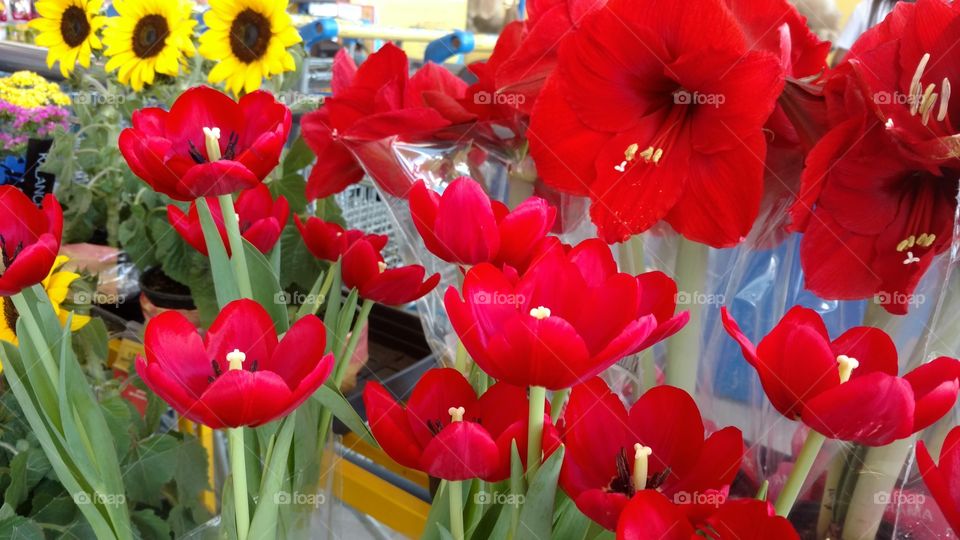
(569, 316)
(261, 219)
(447, 432)
(848, 388)
(878, 195)
(659, 445)
(651, 516)
(364, 269)
(29, 239)
(168, 150)
(464, 226)
(371, 106)
(238, 374)
(329, 241)
(943, 478)
(658, 114)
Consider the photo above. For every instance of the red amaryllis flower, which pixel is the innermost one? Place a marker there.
(329, 241)
(261, 219)
(365, 270)
(658, 113)
(371, 106)
(238, 374)
(878, 195)
(567, 318)
(650, 516)
(943, 479)
(464, 226)
(29, 239)
(168, 149)
(447, 432)
(848, 388)
(611, 454)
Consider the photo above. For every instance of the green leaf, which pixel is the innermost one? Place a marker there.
(20, 528)
(190, 473)
(439, 514)
(266, 287)
(298, 157)
(264, 524)
(223, 279)
(149, 465)
(570, 524)
(536, 516)
(510, 515)
(297, 265)
(332, 399)
(119, 417)
(150, 525)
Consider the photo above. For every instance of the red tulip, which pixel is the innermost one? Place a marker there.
(567, 318)
(848, 388)
(943, 479)
(879, 192)
(29, 239)
(447, 432)
(464, 226)
(168, 149)
(658, 114)
(365, 270)
(611, 454)
(650, 516)
(370, 104)
(329, 241)
(238, 374)
(261, 219)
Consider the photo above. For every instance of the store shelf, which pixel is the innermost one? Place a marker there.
(20, 56)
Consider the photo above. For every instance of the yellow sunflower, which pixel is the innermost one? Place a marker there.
(148, 37)
(248, 39)
(57, 285)
(68, 29)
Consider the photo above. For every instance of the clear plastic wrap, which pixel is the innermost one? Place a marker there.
(759, 280)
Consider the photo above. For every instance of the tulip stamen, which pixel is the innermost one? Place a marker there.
(6, 258)
(235, 359)
(916, 87)
(456, 414)
(540, 313)
(846, 366)
(195, 154)
(232, 142)
(641, 458)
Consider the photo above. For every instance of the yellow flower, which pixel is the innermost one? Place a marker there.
(68, 28)
(149, 37)
(57, 285)
(248, 39)
(28, 90)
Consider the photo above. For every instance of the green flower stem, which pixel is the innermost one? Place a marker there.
(538, 395)
(238, 470)
(798, 475)
(460, 360)
(237, 257)
(318, 293)
(683, 351)
(36, 335)
(456, 509)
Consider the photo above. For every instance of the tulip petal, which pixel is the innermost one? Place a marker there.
(872, 348)
(935, 387)
(437, 391)
(388, 422)
(650, 516)
(242, 398)
(244, 325)
(172, 343)
(873, 410)
(667, 420)
(461, 451)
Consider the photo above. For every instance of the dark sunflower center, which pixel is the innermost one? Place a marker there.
(10, 314)
(250, 36)
(74, 26)
(150, 35)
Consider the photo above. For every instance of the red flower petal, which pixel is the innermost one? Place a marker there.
(650, 516)
(437, 391)
(244, 325)
(461, 451)
(388, 422)
(873, 410)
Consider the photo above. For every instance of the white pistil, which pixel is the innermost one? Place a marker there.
(381, 266)
(944, 99)
(889, 123)
(235, 359)
(846, 365)
(456, 414)
(540, 313)
(911, 258)
(211, 137)
(641, 455)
